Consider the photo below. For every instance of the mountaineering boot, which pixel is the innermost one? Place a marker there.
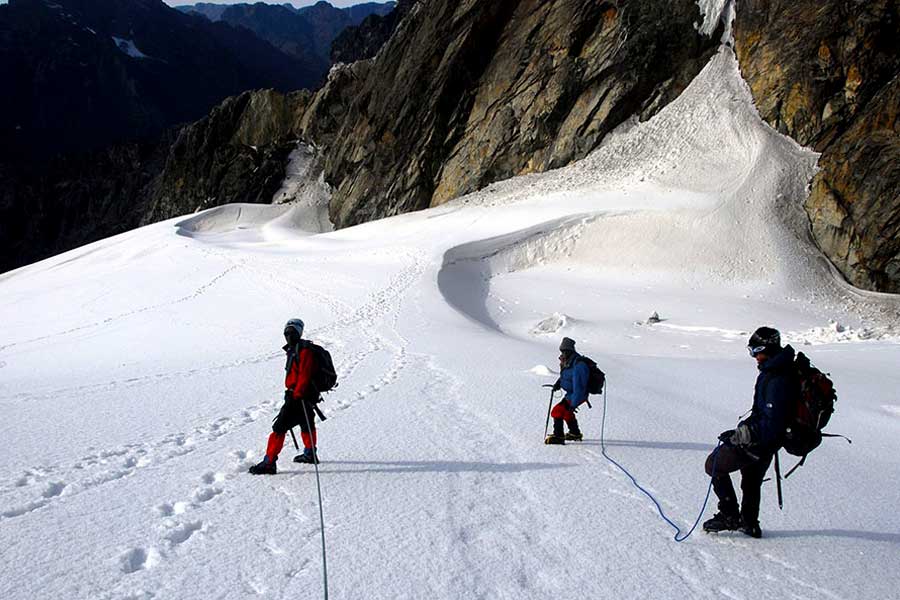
(308, 457)
(574, 436)
(722, 522)
(266, 467)
(554, 439)
(751, 529)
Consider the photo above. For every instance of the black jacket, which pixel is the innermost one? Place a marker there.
(777, 387)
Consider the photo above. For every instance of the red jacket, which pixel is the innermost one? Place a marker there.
(298, 378)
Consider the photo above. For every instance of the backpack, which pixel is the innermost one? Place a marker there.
(324, 377)
(811, 410)
(596, 377)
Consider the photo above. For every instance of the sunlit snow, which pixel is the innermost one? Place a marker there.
(139, 376)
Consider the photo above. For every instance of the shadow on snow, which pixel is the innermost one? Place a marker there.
(426, 466)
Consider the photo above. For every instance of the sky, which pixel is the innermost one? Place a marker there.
(338, 3)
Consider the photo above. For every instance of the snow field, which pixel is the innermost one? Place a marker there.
(139, 376)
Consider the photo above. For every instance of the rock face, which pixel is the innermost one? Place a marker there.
(366, 39)
(495, 89)
(240, 151)
(828, 75)
(236, 154)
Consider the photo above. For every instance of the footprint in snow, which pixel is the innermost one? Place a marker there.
(206, 494)
(183, 532)
(138, 559)
(53, 489)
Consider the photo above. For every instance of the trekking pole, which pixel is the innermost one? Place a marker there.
(547, 422)
(778, 482)
(319, 489)
(294, 437)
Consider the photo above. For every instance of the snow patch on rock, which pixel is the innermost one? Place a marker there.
(128, 47)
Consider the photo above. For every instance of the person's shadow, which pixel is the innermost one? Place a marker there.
(651, 445)
(871, 536)
(327, 467)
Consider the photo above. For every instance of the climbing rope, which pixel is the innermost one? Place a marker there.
(678, 531)
(315, 452)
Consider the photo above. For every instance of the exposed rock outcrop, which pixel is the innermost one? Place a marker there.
(236, 154)
(826, 74)
(471, 92)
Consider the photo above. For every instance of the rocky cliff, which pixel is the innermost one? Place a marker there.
(240, 151)
(467, 93)
(236, 154)
(463, 94)
(827, 73)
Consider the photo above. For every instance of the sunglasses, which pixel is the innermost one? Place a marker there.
(755, 350)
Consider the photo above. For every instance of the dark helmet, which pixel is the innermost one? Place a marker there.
(567, 345)
(293, 331)
(765, 339)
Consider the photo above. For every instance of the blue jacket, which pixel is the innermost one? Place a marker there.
(777, 386)
(574, 379)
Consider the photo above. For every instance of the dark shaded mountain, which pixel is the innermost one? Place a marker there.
(73, 200)
(81, 74)
(305, 33)
(211, 11)
(284, 28)
(366, 39)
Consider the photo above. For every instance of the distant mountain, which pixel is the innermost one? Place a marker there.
(211, 11)
(80, 74)
(305, 33)
(366, 39)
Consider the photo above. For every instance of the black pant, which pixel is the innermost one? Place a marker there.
(295, 413)
(729, 459)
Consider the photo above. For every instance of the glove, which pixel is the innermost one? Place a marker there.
(725, 436)
(288, 396)
(557, 386)
(741, 436)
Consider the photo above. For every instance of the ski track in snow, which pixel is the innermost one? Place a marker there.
(110, 465)
(113, 319)
(184, 519)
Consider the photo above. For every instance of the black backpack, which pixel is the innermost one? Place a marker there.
(596, 378)
(810, 411)
(324, 377)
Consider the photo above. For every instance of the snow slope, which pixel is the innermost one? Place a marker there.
(139, 376)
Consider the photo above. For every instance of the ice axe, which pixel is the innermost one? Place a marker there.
(549, 406)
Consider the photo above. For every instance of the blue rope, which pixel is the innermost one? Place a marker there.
(678, 530)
